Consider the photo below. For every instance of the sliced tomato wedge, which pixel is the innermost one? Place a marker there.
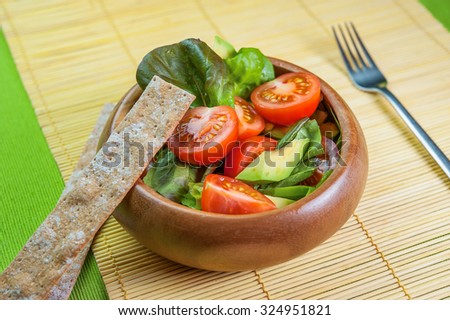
(250, 122)
(205, 135)
(223, 194)
(287, 98)
(245, 152)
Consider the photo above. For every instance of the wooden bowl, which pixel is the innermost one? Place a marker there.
(246, 242)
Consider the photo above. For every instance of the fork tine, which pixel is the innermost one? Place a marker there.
(344, 56)
(362, 61)
(363, 47)
(350, 53)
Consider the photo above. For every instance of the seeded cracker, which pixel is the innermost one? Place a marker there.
(91, 199)
(62, 290)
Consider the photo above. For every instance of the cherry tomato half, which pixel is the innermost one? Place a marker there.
(250, 122)
(227, 195)
(205, 135)
(287, 98)
(245, 152)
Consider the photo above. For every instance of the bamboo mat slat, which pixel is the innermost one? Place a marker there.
(74, 56)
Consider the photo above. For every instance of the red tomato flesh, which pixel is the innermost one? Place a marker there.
(205, 135)
(250, 122)
(245, 152)
(226, 195)
(287, 98)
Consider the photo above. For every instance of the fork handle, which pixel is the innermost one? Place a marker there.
(421, 135)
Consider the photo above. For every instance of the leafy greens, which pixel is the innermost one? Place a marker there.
(193, 66)
(303, 129)
(215, 80)
(311, 131)
(250, 68)
(169, 176)
(193, 197)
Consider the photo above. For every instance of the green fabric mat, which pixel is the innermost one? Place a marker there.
(440, 9)
(30, 181)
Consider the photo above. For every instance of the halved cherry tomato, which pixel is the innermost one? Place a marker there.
(244, 153)
(288, 98)
(226, 195)
(250, 122)
(205, 135)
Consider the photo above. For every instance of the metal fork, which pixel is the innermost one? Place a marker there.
(366, 76)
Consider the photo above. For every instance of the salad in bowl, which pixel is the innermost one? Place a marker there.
(267, 163)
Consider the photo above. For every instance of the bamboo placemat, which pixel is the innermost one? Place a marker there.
(74, 56)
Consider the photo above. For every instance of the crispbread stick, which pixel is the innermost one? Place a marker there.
(102, 185)
(90, 148)
(62, 290)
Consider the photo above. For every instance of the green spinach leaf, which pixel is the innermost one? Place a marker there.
(303, 129)
(223, 48)
(311, 131)
(292, 192)
(217, 82)
(193, 66)
(292, 133)
(169, 176)
(193, 198)
(338, 138)
(249, 68)
(324, 178)
(301, 172)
